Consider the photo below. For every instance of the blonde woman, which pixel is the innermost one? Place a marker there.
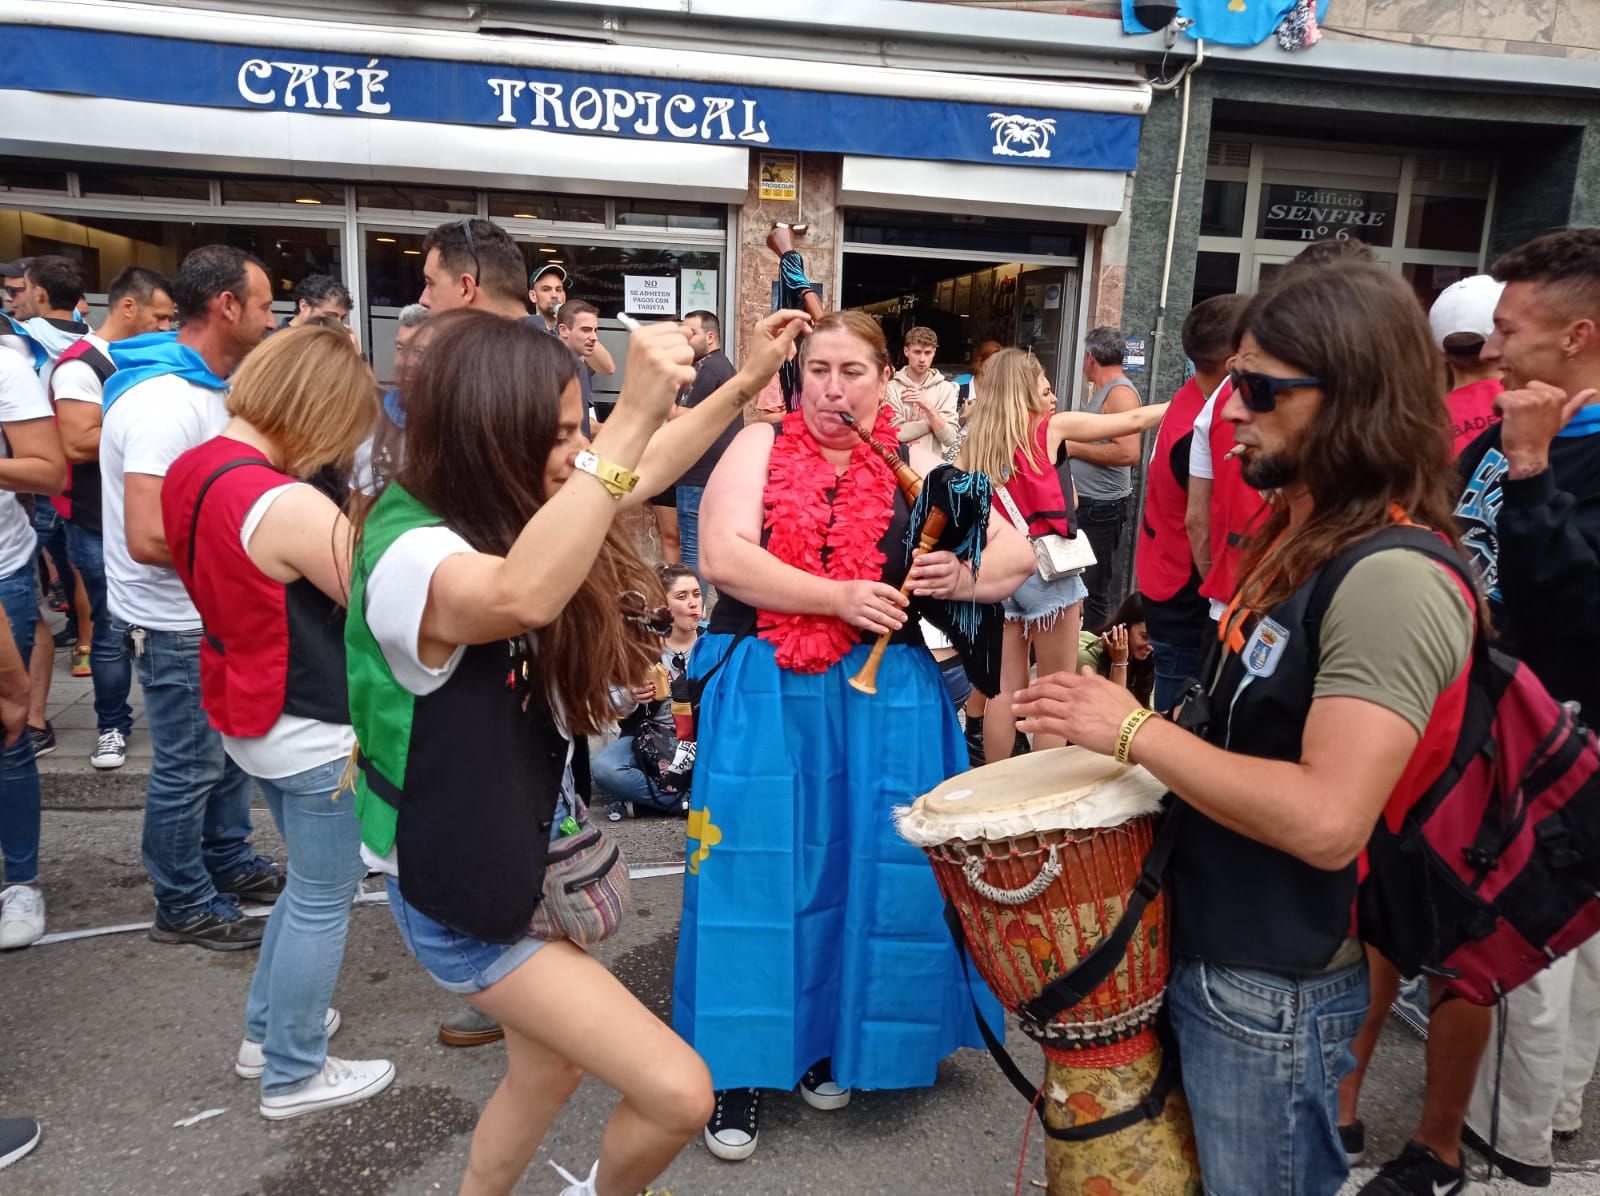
(1016, 436)
(265, 557)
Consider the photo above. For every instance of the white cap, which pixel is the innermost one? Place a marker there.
(1465, 306)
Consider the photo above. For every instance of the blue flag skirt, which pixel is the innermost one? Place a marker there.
(810, 928)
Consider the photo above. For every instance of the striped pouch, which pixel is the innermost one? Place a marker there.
(585, 890)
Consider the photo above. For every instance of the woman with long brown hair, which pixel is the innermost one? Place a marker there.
(1017, 437)
(486, 626)
(1338, 699)
(266, 559)
(812, 949)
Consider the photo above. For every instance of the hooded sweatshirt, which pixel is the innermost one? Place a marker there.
(912, 422)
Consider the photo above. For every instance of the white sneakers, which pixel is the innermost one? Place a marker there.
(110, 750)
(341, 1082)
(580, 1188)
(252, 1059)
(21, 917)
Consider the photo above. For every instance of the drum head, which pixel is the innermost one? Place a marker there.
(1068, 788)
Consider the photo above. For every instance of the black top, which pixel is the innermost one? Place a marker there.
(714, 369)
(1536, 544)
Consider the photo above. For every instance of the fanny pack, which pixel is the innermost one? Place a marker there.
(585, 890)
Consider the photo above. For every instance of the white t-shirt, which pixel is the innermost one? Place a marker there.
(1200, 443)
(145, 431)
(76, 380)
(293, 744)
(22, 398)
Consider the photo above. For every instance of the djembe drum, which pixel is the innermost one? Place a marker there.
(1040, 857)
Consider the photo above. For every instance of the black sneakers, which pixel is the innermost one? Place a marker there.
(1524, 1173)
(819, 1089)
(219, 927)
(735, 1124)
(1417, 1172)
(43, 738)
(261, 880)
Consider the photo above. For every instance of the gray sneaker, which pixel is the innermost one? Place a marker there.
(219, 927)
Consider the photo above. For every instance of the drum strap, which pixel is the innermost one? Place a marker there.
(1089, 973)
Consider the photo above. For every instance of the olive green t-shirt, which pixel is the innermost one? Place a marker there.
(1397, 634)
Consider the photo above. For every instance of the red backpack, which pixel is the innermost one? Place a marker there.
(1494, 871)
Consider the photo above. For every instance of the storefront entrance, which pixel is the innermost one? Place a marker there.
(970, 279)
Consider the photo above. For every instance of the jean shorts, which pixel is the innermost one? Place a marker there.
(458, 963)
(1037, 602)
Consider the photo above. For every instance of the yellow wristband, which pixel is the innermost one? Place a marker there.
(1130, 727)
(612, 476)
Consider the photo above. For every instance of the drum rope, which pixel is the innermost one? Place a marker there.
(1049, 873)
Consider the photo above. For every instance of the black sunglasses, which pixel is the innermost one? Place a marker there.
(15, 291)
(472, 248)
(1259, 392)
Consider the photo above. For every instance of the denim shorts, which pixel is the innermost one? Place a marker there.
(1037, 602)
(458, 963)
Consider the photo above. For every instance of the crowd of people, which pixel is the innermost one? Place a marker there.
(362, 603)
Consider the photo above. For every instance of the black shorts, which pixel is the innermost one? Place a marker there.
(667, 498)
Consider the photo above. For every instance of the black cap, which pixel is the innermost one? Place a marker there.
(13, 269)
(542, 271)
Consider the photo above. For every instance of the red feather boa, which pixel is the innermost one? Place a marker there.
(802, 524)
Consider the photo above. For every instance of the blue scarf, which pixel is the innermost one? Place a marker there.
(140, 358)
(394, 406)
(41, 355)
(1585, 422)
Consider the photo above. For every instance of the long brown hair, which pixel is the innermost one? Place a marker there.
(1004, 415)
(482, 417)
(1380, 438)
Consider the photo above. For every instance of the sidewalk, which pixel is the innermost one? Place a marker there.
(68, 780)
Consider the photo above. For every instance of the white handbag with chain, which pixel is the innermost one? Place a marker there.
(1057, 556)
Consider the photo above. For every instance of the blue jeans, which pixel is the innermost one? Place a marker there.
(1263, 1054)
(49, 529)
(689, 525)
(108, 656)
(1176, 666)
(19, 773)
(197, 805)
(615, 771)
(304, 942)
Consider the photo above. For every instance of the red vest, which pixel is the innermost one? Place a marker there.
(1163, 562)
(1472, 411)
(269, 649)
(1043, 496)
(1237, 508)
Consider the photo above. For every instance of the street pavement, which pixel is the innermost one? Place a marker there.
(111, 1040)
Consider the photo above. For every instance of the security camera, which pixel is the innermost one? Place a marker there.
(1155, 15)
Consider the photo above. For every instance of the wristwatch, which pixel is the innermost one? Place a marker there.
(612, 476)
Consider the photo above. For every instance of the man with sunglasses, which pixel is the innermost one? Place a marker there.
(473, 264)
(11, 277)
(1337, 689)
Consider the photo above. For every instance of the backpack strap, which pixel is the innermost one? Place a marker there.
(225, 467)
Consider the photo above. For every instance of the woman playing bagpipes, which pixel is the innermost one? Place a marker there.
(813, 950)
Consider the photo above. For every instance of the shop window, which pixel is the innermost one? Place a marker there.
(991, 235)
(1215, 274)
(568, 209)
(309, 195)
(1222, 208)
(1430, 281)
(1294, 213)
(660, 213)
(416, 199)
(394, 268)
(103, 246)
(1450, 222)
(599, 273)
(127, 184)
(14, 177)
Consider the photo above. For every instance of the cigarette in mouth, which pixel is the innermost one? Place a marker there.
(1233, 452)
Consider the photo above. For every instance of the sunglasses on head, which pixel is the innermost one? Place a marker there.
(1259, 392)
(472, 248)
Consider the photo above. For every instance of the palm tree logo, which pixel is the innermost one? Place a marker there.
(1020, 136)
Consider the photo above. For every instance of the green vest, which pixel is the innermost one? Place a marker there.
(381, 709)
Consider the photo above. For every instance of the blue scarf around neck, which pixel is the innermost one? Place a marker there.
(141, 358)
